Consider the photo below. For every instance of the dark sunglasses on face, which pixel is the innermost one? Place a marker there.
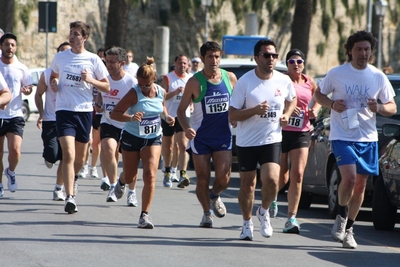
(269, 55)
(298, 61)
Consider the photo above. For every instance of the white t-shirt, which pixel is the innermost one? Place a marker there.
(355, 86)
(249, 92)
(49, 112)
(73, 93)
(118, 89)
(16, 75)
(174, 82)
(131, 68)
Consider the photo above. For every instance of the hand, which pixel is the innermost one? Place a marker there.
(284, 120)
(373, 105)
(54, 85)
(262, 108)
(27, 89)
(137, 116)
(190, 133)
(39, 123)
(312, 113)
(170, 120)
(339, 106)
(233, 123)
(179, 90)
(86, 76)
(296, 112)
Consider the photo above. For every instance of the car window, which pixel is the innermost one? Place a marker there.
(239, 71)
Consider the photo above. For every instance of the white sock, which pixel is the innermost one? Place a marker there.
(263, 211)
(174, 169)
(131, 191)
(58, 187)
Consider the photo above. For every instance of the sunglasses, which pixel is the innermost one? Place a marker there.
(146, 87)
(298, 61)
(269, 55)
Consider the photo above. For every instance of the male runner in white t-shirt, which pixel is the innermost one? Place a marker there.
(355, 87)
(262, 103)
(74, 74)
(12, 124)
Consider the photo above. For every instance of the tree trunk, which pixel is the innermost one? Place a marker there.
(117, 22)
(301, 25)
(7, 15)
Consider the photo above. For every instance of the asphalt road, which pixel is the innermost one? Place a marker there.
(35, 231)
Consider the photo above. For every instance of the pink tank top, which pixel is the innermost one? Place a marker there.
(304, 96)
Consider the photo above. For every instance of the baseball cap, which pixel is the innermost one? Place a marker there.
(296, 52)
(196, 59)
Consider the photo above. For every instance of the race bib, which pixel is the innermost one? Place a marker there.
(107, 110)
(272, 114)
(216, 103)
(149, 125)
(71, 78)
(177, 98)
(297, 121)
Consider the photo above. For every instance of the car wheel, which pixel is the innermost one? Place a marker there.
(305, 200)
(333, 187)
(383, 212)
(25, 110)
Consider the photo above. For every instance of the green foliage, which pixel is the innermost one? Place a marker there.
(219, 29)
(345, 3)
(320, 49)
(342, 57)
(325, 24)
(25, 11)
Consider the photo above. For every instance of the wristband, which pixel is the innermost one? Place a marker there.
(132, 117)
(332, 104)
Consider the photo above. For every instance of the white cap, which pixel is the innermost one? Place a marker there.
(196, 59)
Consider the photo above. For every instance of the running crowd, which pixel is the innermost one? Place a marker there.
(107, 104)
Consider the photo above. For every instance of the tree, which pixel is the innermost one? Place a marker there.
(301, 25)
(7, 15)
(117, 22)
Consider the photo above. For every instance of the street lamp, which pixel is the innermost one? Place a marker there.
(206, 4)
(380, 10)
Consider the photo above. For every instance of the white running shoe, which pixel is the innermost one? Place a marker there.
(119, 190)
(174, 178)
(1, 192)
(131, 199)
(338, 231)
(12, 182)
(70, 205)
(111, 195)
(93, 172)
(349, 241)
(145, 222)
(84, 171)
(207, 221)
(218, 206)
(58, 195)
(105, 184)
(247, 231)
(48, 164)
(265, 223)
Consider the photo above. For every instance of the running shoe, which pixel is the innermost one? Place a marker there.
(93, 172)
(349, 241)
(291, 226)
(218, 207)
(145, 222)
(48, 164)
(12, 182)
(207, 221)
(105, 184)
(1, 192)
(70, 205)
(273, 209)
(265, 223)
(174, 178)
(111, 195)
(84, 171)
(167, 179)
(119, 190)
(338, 231)
(247, 231)
(183, 181)
(131, 199)
(58, 195)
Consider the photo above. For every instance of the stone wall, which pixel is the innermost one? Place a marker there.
(185, 33)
